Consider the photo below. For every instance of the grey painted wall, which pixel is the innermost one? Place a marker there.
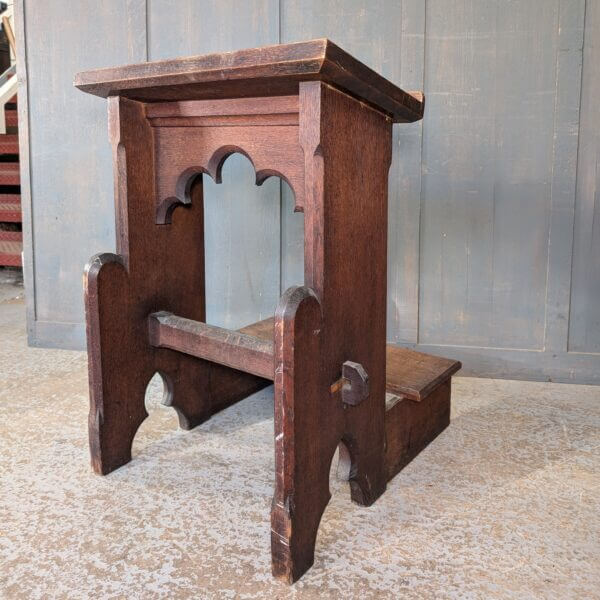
(494, 226)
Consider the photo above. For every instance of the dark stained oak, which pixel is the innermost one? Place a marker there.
(302, 458)
(229, 348)
(261, 329)
(267, 71)
(319, 119)
(415, 374)
(155, 268)
(410, 426)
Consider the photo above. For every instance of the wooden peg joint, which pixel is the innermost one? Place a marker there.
(353, 384)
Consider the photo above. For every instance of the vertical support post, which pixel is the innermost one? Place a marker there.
(347, 150)
(302, 454)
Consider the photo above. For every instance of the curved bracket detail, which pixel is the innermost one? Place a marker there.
(190, 176)
(220, 155)
(183, 197)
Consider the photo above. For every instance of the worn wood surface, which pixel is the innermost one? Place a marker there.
(243, 73)
(160, 264)
(156, 267)
(410, 374)
(215, 344)
(192, 139)
(413, 374)
(326, 351)
(340, 241)
(242, 286)
(410, 426)
(302, 458)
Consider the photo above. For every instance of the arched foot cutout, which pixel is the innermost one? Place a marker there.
(162, 417)
(335, 516)
(343, 462)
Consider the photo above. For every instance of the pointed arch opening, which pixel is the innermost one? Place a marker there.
(162, 418)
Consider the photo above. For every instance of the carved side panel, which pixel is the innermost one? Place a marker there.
(347, 151)
(196, 137)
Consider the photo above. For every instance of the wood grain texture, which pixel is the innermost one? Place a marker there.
(411, 426)
(302, 459)
(326, 351)
(261, 329)
(243, 252)
(410, 374)
(192, 146)
(267, 71)
(121, 291)
(567, 143)
(215, 344)
(414, 375)
(487, 172)
(341, 239)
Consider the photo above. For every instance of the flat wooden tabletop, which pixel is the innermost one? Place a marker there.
(267, 71)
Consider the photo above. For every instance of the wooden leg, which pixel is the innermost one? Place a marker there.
(302, 457)
(366, 470)
(362, 456)
(121, 363)
(118, 376)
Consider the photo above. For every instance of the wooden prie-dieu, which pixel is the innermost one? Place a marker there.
(322, 121)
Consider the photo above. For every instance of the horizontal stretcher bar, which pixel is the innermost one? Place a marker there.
(230, 348)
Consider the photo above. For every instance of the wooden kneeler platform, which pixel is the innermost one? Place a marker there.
(322, 121)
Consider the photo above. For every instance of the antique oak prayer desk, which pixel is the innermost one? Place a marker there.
(322, 121)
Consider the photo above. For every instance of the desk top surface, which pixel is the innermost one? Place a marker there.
(267, 71)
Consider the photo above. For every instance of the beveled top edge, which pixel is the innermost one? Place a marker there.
(214, 62)
(276, 69)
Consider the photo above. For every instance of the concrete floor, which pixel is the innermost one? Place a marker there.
(504, 504)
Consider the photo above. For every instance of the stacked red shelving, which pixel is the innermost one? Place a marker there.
(11, 237)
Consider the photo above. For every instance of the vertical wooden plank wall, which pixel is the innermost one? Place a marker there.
(584, 331)
(500, 151)
(487, 167)
(492, 196)
(71, 216)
